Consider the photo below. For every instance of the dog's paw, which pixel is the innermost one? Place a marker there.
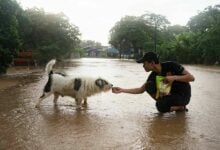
(37, 106)
(79, 108)
(84, 104)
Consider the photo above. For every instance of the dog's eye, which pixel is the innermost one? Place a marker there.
(105, 82)
(99, 82)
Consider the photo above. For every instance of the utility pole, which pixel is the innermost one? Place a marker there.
(155, 35)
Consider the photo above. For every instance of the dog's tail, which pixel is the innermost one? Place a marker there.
(49, 66)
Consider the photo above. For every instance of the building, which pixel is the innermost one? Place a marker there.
(24, 58)
(112, 52)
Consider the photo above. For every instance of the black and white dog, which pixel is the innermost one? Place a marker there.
(76, 87)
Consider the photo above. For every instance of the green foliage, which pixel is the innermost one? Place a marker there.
(138, 33)
(9, 36)
(155, 20)
(90, 44)
(48, 35)
(196, 43)
(206, 25)
(159, 24)
(131, 33)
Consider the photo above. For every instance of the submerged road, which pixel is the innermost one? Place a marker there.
(110, 121)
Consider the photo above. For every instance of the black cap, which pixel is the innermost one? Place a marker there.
(149, 57)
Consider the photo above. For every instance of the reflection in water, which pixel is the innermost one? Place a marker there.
(110, 121)
(168, 131)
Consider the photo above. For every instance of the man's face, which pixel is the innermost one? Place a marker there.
(148, 66)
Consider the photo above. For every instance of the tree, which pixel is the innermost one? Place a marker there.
(168, 39)
(197, 43)
(87, 45)
(9, 36)
(207, 25)
(90, 44)
(48, 35)
(130, 33)
(174, 30)
(158, 22)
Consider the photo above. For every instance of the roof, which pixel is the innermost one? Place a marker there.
(112, 50)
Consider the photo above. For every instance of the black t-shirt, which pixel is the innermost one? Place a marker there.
(172, 68)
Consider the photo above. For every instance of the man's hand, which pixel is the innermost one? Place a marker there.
(185, 77)
(169, 79)
(139, 90)
(116, 90)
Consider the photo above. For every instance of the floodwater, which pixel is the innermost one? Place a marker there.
(110, 121)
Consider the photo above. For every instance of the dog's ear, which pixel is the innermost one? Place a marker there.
(99, 83)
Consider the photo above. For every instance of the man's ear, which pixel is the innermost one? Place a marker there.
(152, 63)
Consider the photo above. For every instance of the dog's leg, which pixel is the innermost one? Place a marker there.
(78, 103)
(45, 95)
(76, 100)
(85, 102)
(56, 96)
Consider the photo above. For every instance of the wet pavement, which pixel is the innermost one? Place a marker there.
(110, 121)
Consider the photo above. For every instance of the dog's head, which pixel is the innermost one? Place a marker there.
(103, 84)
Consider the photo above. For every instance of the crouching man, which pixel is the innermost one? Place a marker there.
(168, 84)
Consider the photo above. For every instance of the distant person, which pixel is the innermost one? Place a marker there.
(168, 84)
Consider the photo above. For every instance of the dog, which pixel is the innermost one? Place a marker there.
(79, 88)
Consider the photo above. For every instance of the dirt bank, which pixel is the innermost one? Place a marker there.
(14, 76)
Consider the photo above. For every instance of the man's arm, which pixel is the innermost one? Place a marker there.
(185, 77)
(130, 91)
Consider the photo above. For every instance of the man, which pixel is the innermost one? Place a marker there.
(175, 79)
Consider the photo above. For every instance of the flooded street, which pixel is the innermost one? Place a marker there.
(110, 121)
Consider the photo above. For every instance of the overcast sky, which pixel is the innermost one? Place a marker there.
(96, 17)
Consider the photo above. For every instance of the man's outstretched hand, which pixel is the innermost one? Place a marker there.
(116, 90)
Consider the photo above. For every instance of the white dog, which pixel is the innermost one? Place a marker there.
(79, 88)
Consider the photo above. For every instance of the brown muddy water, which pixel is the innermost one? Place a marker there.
(110, 121)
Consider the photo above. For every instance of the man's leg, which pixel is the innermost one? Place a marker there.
(167, 103)
(163, 105)
(172, 103)
(179, 103)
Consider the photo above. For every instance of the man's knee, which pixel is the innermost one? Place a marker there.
(162, 106)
